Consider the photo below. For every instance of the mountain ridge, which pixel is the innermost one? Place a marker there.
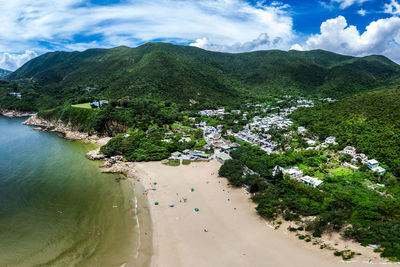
(4, 73)
(184, 73)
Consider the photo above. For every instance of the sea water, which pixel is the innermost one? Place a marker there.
(56, 207)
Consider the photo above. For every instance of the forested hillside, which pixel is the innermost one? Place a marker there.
(370, 122)
(182, 74)
(4, 73)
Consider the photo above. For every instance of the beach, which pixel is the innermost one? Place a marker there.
(226, 230)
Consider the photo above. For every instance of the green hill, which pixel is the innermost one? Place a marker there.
(4, 73)
(368, 121)
(182, 73)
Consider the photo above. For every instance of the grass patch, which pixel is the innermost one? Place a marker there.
(83, 105)
(186, 162)
(173, 162)
(179, 126)
(341, 171)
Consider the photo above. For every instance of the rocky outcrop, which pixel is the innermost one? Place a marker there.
(58, 127)
(15, 114)
(95, 155)
(125, 168)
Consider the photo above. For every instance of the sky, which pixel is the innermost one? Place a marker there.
(29, 28)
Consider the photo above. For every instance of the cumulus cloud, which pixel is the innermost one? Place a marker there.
(392, 8)
(362, 12)
(380, 37)
(13, 61)
(60, 24)
(261, 42)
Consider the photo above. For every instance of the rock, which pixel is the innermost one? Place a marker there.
(15, 114)
(87, 142)
(57, 127)
(119, 167)
(95, 155)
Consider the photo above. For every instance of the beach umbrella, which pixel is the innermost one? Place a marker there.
(155, 183)
(171, 205)
(196, 209)
(191, 189)
(153, 188)
(156, 203)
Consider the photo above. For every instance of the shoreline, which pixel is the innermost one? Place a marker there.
(15, 113)
(152, 238)
(236, 235)
(144, 249)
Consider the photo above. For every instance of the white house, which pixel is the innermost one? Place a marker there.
(349, 150)
(294, 173)
(311, 142)
(314, 182)
(330, 140)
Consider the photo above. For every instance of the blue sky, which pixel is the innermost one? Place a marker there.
(352, 27)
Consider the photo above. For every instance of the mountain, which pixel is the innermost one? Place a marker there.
(368, 121)
(4, 73)
(182, 73)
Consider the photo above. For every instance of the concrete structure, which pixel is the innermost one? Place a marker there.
(379, 170)
(330, 140)
(372, 164)
(314, 182)
(311, 142)
(349, 150)
(222, 157)
(98, 103)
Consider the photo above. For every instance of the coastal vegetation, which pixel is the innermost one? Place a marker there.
(343, 203)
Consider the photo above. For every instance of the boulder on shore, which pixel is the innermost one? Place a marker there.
(95, 155)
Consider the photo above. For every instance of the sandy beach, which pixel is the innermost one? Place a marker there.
(226, 230)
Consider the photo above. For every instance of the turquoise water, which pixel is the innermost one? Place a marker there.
(56, 208)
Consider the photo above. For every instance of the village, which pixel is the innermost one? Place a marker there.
(255, 132)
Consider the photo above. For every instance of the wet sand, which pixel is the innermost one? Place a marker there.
(226, 231)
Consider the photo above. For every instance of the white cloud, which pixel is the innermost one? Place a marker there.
(392, 8)
(362, 12)
(77, 24)
(13, 61)
(380, 37)
(261, 42)
(297, 47)
(347, 3)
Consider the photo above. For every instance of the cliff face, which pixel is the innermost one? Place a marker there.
(58, 127)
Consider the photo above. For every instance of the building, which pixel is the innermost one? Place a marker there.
(311, 142)
(330, 140)
(314, 182)
(175, 155)
(349, 150)
(222, 157)
(186, 152)
(98, 103)
(199, 155)
(379, 170)
(294, 173)
(225, 148)
(301, 130)
(372, 164)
